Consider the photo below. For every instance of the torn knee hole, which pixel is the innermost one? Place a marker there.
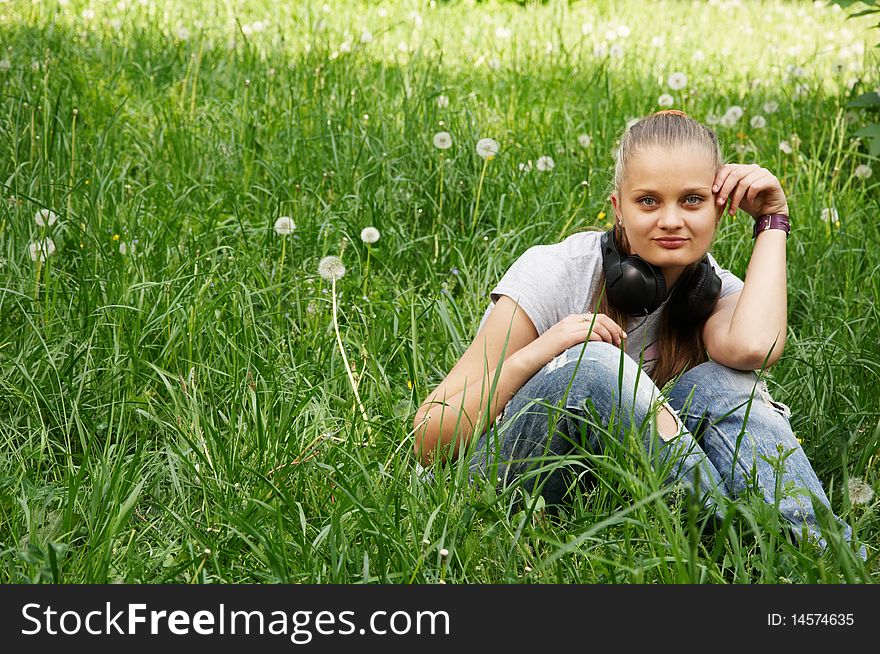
(668, 423)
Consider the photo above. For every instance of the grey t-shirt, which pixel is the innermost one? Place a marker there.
(550, 282)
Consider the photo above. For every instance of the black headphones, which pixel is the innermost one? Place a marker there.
(638, 288)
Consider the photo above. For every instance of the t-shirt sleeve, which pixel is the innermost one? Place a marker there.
(730, 283)
(535, 282)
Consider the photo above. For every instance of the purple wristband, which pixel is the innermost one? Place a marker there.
(771, 221)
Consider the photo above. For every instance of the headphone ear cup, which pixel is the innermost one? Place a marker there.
(694, 302)
(633, 285)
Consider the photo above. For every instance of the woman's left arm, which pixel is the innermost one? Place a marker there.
(759, 322)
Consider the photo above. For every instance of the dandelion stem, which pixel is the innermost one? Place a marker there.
(477, 202)
(345, 363)
(439, 210)
(367, 270)
(72, 161)
(573, 214)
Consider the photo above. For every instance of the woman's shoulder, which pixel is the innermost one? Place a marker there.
(578, 245)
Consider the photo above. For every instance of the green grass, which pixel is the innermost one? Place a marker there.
(181, 412)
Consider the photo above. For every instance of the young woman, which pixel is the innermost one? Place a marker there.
(656, 304)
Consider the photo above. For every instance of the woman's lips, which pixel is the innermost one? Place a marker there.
(671, 244)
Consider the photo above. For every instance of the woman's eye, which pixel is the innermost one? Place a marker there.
(695, 197)
(647, 205)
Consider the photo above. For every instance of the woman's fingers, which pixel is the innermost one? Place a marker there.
(603, 332)
(742, 187)
(750, 185)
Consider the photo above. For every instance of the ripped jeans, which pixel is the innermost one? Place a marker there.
(714, 402)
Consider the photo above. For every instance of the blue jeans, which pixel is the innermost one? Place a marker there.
(738, 424)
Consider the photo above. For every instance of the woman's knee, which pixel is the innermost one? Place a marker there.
(710, 380)
(602, 372)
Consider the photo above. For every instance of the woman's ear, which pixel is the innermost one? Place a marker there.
(615, 206)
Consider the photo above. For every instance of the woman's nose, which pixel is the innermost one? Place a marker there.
(670, 218)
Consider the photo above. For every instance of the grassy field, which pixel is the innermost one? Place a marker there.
(174, 402)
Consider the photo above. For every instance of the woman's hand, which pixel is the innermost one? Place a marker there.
(575, 329)
(748, 186)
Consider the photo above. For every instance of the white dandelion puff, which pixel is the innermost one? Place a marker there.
(665, 100)
(487, 148)
(331, 267)
(182, 33)
(770, 107)
(712, 119)
(284, 226)
(600, 50)
(502, 32)
(735, 112)
(758, 122)
(45, 218)
(863, 171)
(584, 140)
(41, 250)
(677, 81)
(545, 164)
(615, 51)
(442, 140)
(442, 101)
(5, 65)
(698, 55)
(860, 492)
(829, 215)
(525, 167)
(623, 31)
(369, 234)
(123, 248)
(366, 36)
(785, 146)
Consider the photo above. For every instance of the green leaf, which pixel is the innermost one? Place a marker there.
(871, 131)
(868, 100)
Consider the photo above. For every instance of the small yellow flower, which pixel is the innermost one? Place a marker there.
(740, 135)
(601, 215)
(409, 384)
(115, 237)
(87, 182)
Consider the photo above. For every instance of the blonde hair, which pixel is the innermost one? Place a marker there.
(679, 347)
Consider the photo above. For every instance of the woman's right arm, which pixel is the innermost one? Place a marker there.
(442, 421)
(460, 407)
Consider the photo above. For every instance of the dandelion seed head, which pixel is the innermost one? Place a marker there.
(442, 140)
(487, 148)
(758, 122)
(42, 249)
(665, 100)
(284, 226)
(442, 101)
(123, 248)
(863, 171)
(331, 267)
(584, 140)
(677, 81)
(785, 146)
(444, 553)
(829, 215)
(45, 218)
(545, 164)
(860, 492)
(770, 107)
(369, 234)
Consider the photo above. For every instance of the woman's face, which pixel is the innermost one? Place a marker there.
(668, 194)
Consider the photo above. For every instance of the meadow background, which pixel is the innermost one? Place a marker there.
(174, 402)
